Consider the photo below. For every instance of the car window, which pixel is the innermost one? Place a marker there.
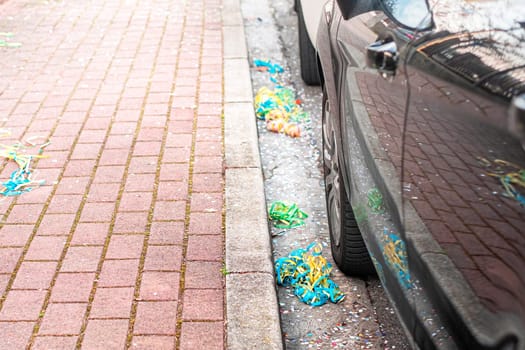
(413, 14)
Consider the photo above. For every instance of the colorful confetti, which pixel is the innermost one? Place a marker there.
(307, 271)
(286, 215)
(21, 180)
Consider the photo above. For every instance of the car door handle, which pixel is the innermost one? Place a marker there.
(382, 56)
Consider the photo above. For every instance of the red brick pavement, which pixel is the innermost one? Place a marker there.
(123, 246)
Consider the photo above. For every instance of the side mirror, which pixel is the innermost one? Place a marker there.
(412, 14)
(351, 8)
(516, 121)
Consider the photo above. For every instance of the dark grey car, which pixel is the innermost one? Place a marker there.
(423, 143)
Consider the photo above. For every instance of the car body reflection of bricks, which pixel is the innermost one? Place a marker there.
(480, 229)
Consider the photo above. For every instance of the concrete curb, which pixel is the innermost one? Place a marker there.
(252, 311)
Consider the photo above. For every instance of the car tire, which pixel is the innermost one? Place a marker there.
(307, 54)
(348, 247)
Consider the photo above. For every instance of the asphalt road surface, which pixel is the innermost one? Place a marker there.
(293, 172)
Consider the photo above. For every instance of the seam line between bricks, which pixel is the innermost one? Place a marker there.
(223, 219)
(187, 216)
(145, 247)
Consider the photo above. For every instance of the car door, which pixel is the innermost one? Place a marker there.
(462, 169)
(372, 93)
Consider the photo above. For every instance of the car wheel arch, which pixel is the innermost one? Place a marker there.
(329, 86)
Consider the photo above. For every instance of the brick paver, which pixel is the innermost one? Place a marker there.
(124, 244)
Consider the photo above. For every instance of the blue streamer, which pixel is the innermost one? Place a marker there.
(273, 68)
(307, 271)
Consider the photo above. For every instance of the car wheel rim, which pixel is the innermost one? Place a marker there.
(332, 174)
